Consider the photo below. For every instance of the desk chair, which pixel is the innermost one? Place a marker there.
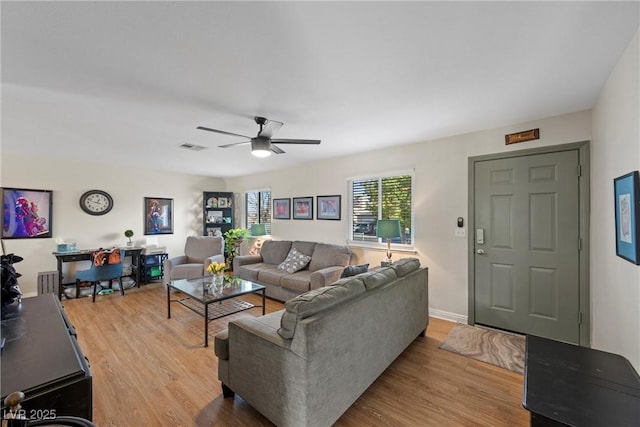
(103, 267)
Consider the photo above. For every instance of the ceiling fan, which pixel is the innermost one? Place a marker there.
(262, 144)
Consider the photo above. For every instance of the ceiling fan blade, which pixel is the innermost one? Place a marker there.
(235, 143)
(222, 132)
(276, 150)
(296, 141)
(270, 128)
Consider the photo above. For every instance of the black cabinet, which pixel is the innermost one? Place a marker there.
(152, 267)
(41, 357)
(217, 215)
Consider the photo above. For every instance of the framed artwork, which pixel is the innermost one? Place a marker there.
(627, 203)
(328, 207)
(281, 208)
(26, 214)
(303, 208)
(158, 215)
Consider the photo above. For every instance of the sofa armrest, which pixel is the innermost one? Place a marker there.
(240, 260)
(170, 263)
(325, 276)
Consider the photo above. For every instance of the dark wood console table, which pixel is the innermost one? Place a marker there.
(41, 357)
(569, 385)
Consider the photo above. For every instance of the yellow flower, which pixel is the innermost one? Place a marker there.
(216, 267)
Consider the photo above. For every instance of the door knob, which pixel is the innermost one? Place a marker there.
(480, 251)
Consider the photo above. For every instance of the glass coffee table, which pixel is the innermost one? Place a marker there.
(213, 302)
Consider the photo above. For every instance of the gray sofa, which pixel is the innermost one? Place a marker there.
(307, 364)
(325, 267)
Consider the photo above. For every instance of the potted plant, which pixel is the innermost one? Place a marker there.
(232, 240)
(129, 234)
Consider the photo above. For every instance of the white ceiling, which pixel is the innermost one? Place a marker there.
(128, 82)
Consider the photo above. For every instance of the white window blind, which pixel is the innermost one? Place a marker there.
(384, 197)
(258, 209)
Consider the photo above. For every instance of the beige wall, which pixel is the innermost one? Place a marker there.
(615, 283)
(440, 197)
(128, 186)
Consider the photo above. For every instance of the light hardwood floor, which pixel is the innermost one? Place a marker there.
(152, 371)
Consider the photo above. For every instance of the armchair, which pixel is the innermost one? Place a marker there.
(199, 252)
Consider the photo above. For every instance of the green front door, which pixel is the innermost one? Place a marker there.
(526, 244)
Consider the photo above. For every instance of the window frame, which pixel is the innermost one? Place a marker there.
(379, 244)
(246, 208)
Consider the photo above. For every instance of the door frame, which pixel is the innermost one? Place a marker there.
(584, 189)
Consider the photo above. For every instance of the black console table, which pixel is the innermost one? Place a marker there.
(569, 385)
(41, 357)
(85, 255)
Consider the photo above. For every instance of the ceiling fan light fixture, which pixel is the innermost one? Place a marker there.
(260, 147)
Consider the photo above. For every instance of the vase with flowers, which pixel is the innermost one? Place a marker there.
(217, 270)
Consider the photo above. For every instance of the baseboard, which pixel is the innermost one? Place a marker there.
(445, 315)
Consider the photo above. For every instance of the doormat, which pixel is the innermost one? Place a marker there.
(487, 345)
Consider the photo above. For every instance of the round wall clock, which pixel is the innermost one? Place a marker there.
(96, 202)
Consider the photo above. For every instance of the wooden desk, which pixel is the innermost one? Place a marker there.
(85, 255)
(566, 384)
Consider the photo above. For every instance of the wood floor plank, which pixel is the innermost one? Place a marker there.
(149, 370)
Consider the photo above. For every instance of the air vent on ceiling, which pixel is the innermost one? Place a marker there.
(192, 147)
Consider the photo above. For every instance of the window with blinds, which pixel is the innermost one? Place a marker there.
(258, 209)
(384, 197)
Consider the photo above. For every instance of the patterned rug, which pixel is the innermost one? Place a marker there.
(487, 345)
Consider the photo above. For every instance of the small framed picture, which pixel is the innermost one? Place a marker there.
(303, 208)
(222, 202)
(328, 207)
(627, 203)
(158, 215)
(281, 208)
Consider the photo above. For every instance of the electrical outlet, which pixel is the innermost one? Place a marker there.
(460, 232)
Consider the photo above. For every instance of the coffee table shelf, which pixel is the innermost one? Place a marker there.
(213, 303)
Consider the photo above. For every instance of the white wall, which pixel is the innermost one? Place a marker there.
(441, 196)
(128, 187)
(615, 283)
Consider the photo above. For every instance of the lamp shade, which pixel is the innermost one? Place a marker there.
(258, 230)
(388, 228)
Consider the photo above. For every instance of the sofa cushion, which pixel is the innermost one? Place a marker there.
(275, 251)
(295, 261)
(299, 282)
(405, 266)
(304, 247)
(379, 277)
(352, 270)
(271, 275)
(325, 255)
(316, 300)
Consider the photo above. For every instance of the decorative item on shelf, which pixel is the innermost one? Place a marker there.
(388, 229)
(129, 234)
(232, 240)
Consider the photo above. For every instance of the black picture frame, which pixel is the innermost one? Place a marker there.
(26, 213)
(328, 207)
(627, 207)
(282, 208)
(303, 207)
(158, 215)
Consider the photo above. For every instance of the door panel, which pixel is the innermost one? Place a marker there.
(527, 269)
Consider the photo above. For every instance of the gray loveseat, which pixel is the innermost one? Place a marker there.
(325, 267)
(307, 364)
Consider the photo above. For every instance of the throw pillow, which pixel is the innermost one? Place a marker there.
(295, 261)
(352, 270)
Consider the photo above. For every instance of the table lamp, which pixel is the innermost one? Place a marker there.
(256, 231)
(388, 229)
